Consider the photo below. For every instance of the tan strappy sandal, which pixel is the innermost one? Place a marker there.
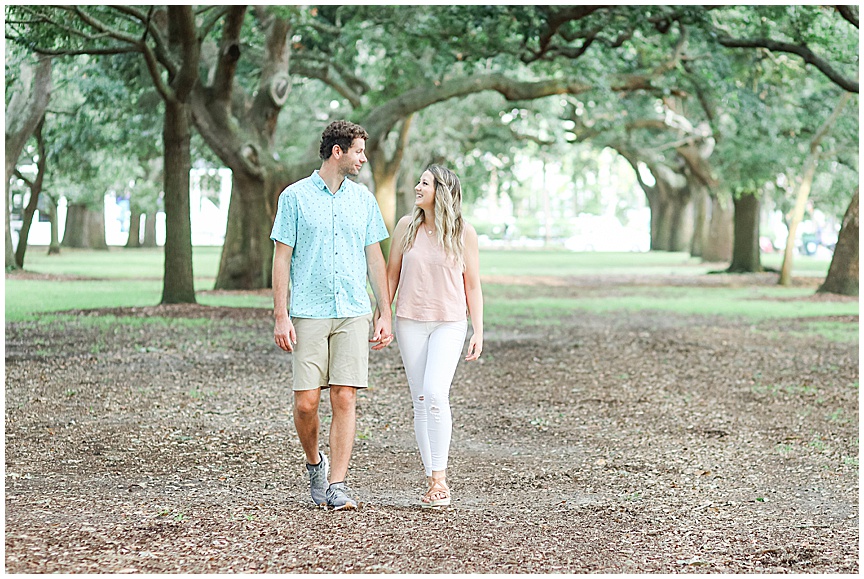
(438, 488)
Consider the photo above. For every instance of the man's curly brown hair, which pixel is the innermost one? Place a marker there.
(340, 133)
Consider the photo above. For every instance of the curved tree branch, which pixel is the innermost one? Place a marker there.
(325, 73)
(383, 118)
(805, 53)
(557, 17)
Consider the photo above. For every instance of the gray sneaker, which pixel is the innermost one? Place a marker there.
(338, 499)
(318, 479)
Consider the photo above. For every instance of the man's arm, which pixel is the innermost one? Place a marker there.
(376, 269)
(283, 332)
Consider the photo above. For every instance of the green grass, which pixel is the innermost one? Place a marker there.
(120, 263)
(754, 303)
(567, 263)
(132, 278)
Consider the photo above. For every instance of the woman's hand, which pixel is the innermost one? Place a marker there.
(475, 347)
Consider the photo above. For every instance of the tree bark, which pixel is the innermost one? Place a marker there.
(717, 246)
(85, 227)
(149, 230)
(134, 239)
(681, 227)
(672, 225)
(803, 192)
(178, 282)
(54, 247)
(240, 130)
(23, 113)
(35, 187)
(657, 207)
(842, 275)
(701, 212)
(745, 251)
(247, 254)
(385, 172)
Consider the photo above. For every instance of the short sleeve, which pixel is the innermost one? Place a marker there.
(375, 229)
(285, 225)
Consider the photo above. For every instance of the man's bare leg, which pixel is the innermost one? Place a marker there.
(343, 400)
(306, 421)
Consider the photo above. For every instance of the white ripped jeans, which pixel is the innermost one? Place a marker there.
(430, 353)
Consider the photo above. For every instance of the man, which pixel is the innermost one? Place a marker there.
(327, 233)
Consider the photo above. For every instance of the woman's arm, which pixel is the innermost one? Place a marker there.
(473, 292)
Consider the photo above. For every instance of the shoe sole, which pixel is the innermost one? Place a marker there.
(435, 504)
(348, 507)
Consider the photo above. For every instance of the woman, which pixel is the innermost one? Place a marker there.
(434, 262)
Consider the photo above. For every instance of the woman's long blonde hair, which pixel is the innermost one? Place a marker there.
(448, 215)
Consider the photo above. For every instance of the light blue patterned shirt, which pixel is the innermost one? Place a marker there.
(329, 233)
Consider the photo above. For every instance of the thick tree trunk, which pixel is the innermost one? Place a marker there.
(701, 213)
(134, 239)
(54, 247)
(85, 227)
(385, 194)
(240, 129)
(247, 254)
(681, 224)
(842, 275)
(661, 225)
(656, 207)
(745, 251)
(149, 230)
(385, 172)
(178, 282)
(718, 239)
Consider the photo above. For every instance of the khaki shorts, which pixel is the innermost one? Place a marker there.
(331, 352)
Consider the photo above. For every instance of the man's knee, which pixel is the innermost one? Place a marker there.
(343, 397)
(306, 403)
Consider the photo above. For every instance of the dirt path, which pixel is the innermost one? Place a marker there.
(645, 443)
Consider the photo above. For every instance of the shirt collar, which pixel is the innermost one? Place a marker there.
(319, 182)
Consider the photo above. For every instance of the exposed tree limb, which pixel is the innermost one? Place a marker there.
(382, 119)
(849, 12)
(211, 22)
(804, 52)
(94, 51)
(155, 74)
(97, 24)
(557, 17)
(229, 55)
(181, 27)
(324, 73)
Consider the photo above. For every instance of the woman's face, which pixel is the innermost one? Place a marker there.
(425, 192)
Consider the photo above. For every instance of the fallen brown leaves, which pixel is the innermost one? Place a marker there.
(637, 443)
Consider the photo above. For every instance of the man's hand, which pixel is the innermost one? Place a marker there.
(284, 334)
(381, 336)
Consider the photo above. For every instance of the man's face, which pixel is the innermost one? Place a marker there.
(352, 160)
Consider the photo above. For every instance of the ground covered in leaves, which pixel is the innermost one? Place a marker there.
(161, 440)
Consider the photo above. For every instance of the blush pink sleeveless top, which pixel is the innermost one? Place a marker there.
(431, 288)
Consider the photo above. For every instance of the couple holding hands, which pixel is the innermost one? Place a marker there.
(327, 233)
